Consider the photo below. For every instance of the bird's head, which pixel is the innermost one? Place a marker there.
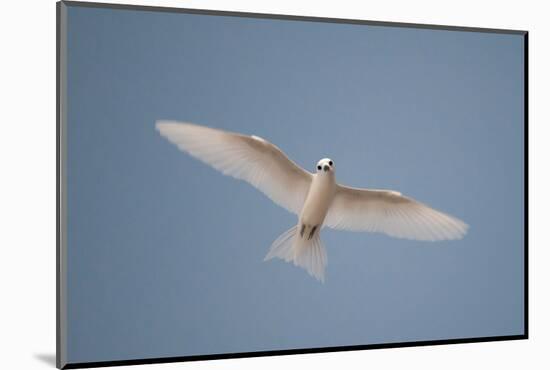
(325, 165)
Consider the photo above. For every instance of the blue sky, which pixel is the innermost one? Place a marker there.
(156, 268)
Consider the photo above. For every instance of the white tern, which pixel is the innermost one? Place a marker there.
(316, 198)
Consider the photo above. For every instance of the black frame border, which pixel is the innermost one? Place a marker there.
(59, 186)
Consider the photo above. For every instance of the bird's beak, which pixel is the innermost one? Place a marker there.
(326, 168)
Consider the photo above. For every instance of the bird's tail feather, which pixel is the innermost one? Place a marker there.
(309, 254)
(282, 246)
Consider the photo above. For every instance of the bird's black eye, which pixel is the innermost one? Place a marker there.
(319, 168)
(330, 163)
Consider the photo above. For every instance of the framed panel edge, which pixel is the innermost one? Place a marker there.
(61, 187)
(288, 17)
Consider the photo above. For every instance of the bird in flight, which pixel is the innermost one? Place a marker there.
(316, 198)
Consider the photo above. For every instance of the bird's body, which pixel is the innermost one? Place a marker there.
(304, 247)
(319, 197)
(316, 198)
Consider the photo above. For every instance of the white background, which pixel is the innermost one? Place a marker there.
(27, 203)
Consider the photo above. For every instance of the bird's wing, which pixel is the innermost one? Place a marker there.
(390, 213)
(248, 158)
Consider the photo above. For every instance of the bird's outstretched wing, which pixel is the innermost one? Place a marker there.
(248, 158)
(391, 213)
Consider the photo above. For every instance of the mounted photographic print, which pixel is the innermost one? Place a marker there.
(235, 184)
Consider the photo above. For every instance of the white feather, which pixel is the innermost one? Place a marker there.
(282, 247)
(312, 257)
(248, 158)
(390, 213)
(310, 254)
